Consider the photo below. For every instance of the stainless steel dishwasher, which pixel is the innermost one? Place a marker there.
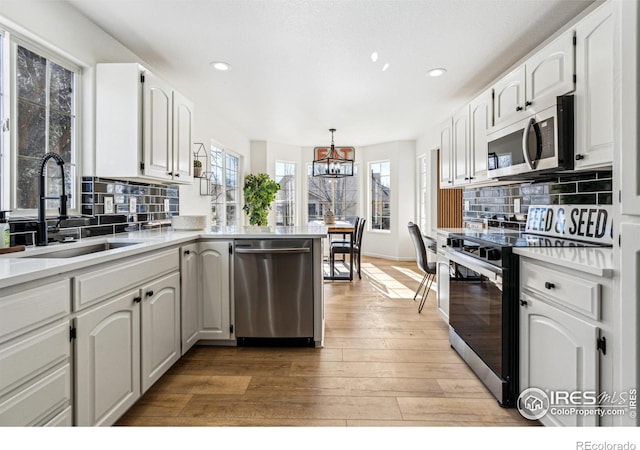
(273, 283)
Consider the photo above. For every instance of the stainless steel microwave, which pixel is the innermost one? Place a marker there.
(537, 145)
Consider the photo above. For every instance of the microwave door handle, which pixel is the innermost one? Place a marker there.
(525, 143)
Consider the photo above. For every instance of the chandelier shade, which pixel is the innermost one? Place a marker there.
(332, 162)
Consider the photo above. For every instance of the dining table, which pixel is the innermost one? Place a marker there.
(343, 228)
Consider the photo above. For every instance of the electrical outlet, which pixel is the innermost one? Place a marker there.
(516, 206)
(166, 205)
(467, 205)
(132, 205)
(108, 204)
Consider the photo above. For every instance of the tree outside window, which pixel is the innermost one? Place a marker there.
(380, 207)
(338, 194)
(225, 196)
(45, 122)
(285, 198)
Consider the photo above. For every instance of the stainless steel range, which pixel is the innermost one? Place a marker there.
(483, 308)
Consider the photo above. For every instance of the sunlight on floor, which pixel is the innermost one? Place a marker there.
(415, 276)
(385, 283)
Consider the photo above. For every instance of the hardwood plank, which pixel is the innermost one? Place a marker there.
(394, 355)
(160, 405)
(201, 384)
(247, 354)
(455, 409)
(135, 421)
(230, 368)
(346, 342)
(381, 370)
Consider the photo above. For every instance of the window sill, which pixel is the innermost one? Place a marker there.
(380, 231)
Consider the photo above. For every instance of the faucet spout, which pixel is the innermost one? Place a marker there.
(42, 238)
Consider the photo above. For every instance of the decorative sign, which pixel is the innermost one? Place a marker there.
(592, 223)
(343, 152)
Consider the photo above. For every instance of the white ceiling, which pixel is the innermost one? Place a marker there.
(301, 67)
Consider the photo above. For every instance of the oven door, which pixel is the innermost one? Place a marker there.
(477, 310)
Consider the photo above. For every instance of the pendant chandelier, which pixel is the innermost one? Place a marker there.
(332, 162)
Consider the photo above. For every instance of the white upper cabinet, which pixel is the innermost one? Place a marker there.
(460, 147)
(143, 126)
(480, 120)
(545, 75)
(594, 89)
(446, 140)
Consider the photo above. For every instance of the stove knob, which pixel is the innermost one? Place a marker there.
(454, 242)
(493, 254)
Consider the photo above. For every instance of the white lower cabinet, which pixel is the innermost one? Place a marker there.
(108, 359)
(558, 346)
(190, 295)
(443, 286)
(215, 299)
(160, 327)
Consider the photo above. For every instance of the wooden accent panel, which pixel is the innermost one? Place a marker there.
(449, 205)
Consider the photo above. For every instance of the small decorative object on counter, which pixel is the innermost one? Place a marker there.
(197, 168)
(259, 192)
(329, 217)
(5, 239)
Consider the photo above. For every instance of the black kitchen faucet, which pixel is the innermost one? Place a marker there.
(41, 238)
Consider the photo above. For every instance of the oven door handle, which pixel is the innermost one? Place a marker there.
(483, 268)
(525, 144)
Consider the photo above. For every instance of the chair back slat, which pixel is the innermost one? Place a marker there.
(420, 248)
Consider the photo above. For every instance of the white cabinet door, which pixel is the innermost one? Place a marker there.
(557, 353)
(460, 148)
(182, 138)
(594, 89)
(157, 125)
(446, 150)
(215, 299)
(550, 71)
(509, 96)
(480, 120)
(443, 287)
(190, 294)
(160, 327)
(107, 364)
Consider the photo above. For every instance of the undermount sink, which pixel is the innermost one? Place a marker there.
(84, 250)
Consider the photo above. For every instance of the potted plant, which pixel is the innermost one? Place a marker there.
(259, 192)
(197, 168)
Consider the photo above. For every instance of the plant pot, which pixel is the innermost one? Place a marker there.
(197, 172)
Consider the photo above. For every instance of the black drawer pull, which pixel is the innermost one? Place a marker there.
(523, 303)
(187, 252)
(519, 108)
(137, 299)
(149, 293)
(549, 285)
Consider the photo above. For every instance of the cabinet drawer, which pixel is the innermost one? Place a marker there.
(579, 294)
(108, 280)
(28, 356)
(32, 404)
(28, 309)
(64, 419)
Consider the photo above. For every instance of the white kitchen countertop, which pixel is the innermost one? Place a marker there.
(21, 267)
(593, 260)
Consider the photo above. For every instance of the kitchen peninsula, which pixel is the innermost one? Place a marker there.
(108, 317)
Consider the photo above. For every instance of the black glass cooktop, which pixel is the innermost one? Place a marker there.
(520, 239)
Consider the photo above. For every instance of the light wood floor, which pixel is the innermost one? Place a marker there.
(383, 364)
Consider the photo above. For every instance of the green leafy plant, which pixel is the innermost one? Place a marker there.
(259, 192)
(197, 163)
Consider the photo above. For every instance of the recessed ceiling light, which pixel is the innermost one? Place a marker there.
(385, 67)
(219, 65)
(374, 56)
(437, 72)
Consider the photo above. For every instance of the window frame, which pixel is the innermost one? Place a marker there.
(370, 198)
(294, 201)
(13, 41)
(240, 198)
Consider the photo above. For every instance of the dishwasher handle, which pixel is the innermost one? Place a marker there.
(270, 251)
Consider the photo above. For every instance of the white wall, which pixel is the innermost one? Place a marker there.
(61, 29)
(394, 244)
(425, 146)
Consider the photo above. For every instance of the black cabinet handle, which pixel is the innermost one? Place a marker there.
(579, 157)
(527, 104)
(523, 303)
(519, 108)
(169, 173)
(176, 175)
(187, 252)
(549, 285)
(149, 293)
(137, 299)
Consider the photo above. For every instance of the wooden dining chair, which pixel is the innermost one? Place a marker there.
(422, 260)
(344, 247)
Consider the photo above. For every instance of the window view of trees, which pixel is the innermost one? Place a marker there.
(45, 123)
(338, 194)
(225, 190)
(380, 195)
(285, 198)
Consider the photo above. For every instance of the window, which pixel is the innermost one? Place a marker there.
(380, 180)
(225, 191)
(285, 198)
(339, 194)
(45, 121)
